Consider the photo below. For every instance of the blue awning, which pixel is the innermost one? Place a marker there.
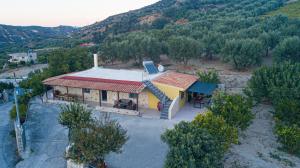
(204, 88)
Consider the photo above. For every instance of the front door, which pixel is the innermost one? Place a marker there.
(104, 95)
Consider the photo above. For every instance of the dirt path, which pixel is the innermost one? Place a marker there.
(23, 71)
(258, 147)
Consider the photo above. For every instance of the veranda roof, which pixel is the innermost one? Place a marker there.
(96, 83)
(204, 88)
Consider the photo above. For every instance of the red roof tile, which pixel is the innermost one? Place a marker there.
(96, 83)
(180, 80)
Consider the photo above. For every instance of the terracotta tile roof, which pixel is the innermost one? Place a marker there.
(180, 80)
(96, 83)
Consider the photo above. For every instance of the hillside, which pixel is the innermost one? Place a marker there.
(15, 38)
(175, 12)
(125, 22)
(292, 10)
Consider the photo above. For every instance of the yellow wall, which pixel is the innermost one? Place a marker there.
(152, 100)
(171, 91)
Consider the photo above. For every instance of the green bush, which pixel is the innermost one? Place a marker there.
(209, 76)
(289, 136)
(288, 49)
(235, 109)
(288, 112)
(74, 116)
(93, 143)
(281, 81)
(6, 86)
(280, 84)
(191, 147)
(22, 112)
(35, 83)
(24, 99)
(217, 126)
(91, 139)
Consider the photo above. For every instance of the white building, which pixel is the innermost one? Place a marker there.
(23, 57)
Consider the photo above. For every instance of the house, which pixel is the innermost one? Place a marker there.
(30, 56)
(137, 90)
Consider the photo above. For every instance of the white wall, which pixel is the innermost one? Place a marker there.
(174, 108)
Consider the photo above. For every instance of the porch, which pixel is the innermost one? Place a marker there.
(188, 112)
(117, 107)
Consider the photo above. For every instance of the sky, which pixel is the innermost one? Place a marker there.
(63, 12)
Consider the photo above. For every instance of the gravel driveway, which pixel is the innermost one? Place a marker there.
(144, 149)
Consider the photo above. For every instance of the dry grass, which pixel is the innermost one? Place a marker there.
(292, 10)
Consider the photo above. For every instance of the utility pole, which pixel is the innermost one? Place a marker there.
(16, 101)
(17, 107)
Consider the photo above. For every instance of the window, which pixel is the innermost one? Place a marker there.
(104, 95)
(133, 95)
(86, 90)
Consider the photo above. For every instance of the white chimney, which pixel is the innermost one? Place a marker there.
(95, 60)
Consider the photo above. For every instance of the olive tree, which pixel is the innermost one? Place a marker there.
(182, 49)
(288, 50)
(209, 76)
(242, 53)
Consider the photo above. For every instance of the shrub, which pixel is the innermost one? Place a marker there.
(242, 53)
(192, 146)
(209, 76)
(6, 86)
(235, 109)
(218, 127)
(280, 84)
(289, 136)
(74, 116)
(274, 83)
(24, 99)
(288, 111)
(34, 82)
(91, 139)
(98, 139)
(22, 112)
(288, 49)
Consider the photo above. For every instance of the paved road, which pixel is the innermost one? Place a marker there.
(7, 143)
(48, 139)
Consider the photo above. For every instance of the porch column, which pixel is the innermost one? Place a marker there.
(53, 93)
(45, 88)
(82, 95)
(100, 97)
(137, 102)
(67, 90)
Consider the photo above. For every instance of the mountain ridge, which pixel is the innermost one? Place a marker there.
(14, 38)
